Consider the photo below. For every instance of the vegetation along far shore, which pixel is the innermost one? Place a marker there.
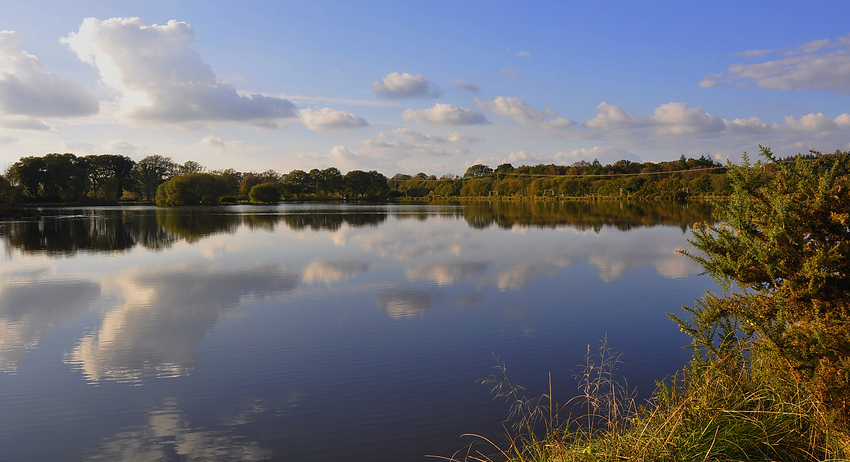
(113, 179)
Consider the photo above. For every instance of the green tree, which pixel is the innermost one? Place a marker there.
(109, 175)
(300, 182)
(151, 172)
(781, 251)
(191, 189)
(10, 196)
(265, 193)
(54, 177)
(190, 166)
(478, 171)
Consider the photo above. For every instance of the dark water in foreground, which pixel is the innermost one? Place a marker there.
(329, 332)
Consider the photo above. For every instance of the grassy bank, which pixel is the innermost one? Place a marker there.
(770, 375)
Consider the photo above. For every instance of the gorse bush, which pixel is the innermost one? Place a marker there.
(770, 374)
(781, 251)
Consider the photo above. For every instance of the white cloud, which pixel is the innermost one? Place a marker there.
(7, 139)
(212, 141)
(159, 78)
(398, 86)
(27, 89)
(678, 119)
(611, 116)
(461, 85)
(445, 114)
(558, 122)
(814, 123)
(326, 118)
(119, 146)
(523, 54)
(24, 124)
(667, 119)
(604, 154)
(817, 65)
(419, 137)
(751, 125)
(456, 137)
(513, 107)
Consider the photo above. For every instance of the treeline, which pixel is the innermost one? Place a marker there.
(69, 179)
(675, 180)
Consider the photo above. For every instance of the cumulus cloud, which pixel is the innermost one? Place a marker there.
(445, 114)
(678, 118)
(817, 65)
(817, 122)
(399, 86)
(419, 137)
(514, 108)
(750, 125)
(159, 78)
(667, 119)
(611, 116)
(24, 124)
(604, 154)
(461, 85)
(27, 89)
(326, 119)
(212, 141)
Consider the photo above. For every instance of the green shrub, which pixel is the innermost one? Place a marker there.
(191, 189)
(265, 193)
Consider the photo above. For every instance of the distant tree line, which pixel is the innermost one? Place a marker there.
(67, 178)
(109, 178)
(675, 180)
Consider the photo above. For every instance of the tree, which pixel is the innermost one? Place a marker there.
(328, 181)
(10, 196)
(781, 251)
(265, 193)
(190, 166)
(151, 172)
(191, 189)
(54, 177)
(478, 171)
(301, 182)
(109, 175)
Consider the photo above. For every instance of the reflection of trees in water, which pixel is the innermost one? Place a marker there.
(68, 231)
(74, 231)
(333, 221)
(586, 215)
(192, 225)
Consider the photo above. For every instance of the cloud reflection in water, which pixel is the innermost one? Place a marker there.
(164, 316)
(29, 308)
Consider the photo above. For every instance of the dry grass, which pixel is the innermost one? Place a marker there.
(721, 410)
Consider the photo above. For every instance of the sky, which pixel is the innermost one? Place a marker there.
(433, 87)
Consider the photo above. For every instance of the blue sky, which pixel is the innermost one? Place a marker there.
(421, 87)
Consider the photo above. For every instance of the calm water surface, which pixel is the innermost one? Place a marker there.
(318, 333)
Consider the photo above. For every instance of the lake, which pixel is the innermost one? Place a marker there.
(319, 332)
